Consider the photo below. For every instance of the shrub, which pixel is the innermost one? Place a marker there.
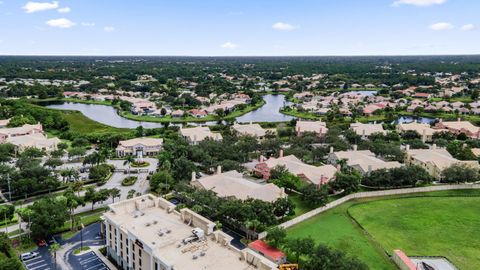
(129, 181)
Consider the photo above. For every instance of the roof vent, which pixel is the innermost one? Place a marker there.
(155, 222)
(135, 216)
(169, 231)
(147, 224)
(160, 234)
(202, 254)
(195, 257)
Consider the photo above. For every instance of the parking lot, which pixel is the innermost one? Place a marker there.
(42, 262)
(88, 261)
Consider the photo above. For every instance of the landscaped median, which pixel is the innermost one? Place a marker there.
(369, 225)
(129, 181)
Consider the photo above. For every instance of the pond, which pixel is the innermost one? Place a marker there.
(270, 112)
(409, 119)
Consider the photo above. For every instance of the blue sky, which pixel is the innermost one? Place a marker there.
(239, 27)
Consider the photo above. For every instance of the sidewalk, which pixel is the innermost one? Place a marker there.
(103, 258)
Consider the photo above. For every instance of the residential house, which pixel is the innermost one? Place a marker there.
(317, 127)
(363, 161)
(251, 129)
(234, 184)
(312, 174)
(422, 129)
(457, 127)
(434, 160)
(35, 140)
(198, 134)
(20, 131)
(365, 130)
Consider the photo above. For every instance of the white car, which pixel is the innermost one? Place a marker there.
(28, 255)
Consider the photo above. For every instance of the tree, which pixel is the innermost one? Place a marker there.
(348, 182)
(76, 152)
(283, 207)
(278, 172)
(315, 196)
(47, 215)
(6, 212)
(114, 193)
(53, 249)
(53, 163)
(460, 173)
(325, 258)
(276, 236)
(299, 247)
(90, 195)
(161, 182)
(7, 150)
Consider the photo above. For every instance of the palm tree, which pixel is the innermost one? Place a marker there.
(128, 161)
(53, 249)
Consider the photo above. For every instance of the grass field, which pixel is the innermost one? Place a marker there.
(79, 123)
(411, 223)
(446, 226)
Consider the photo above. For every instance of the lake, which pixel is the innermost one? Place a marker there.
(270, 112)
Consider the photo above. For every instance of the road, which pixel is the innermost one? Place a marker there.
(115, 181)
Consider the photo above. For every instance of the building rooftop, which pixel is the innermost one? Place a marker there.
(198, 134)
(365, 160)
(234, 184)
(440, 157)
(157, 227)
(143, 141)
(316, 175)
(311, 126)
(367, 129)
(250, 129)
(37, 140)
(420, 128)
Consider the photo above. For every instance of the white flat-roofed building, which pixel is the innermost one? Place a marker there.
(435, 160)
(198, 134)
(234, 184)
(254, 130)
(147, 233)
(36, 140)
(140, 146)
(366, 130)
(316, 127)
(363, 161)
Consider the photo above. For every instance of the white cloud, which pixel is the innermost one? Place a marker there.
(64, 10)
(229, 45)
(32, 7)
(467, 27)
(418, 3)
(281, 26)
(88, 24)
(60, 23)
(109, 29)
(441, 26)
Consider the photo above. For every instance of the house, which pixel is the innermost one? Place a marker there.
(20, 131)
(371, 108)
(312, 174)
(273, 254)
(35, 140)
(422, 129)
(178, 113)
(148, 231)
(198, 134)
(457, 127)
(234, 184)
(139, 147)
(422, 95)
(363, 161)
(365, 130)
(198, 113)
(434, 160)
(317, 127)
(254, 130)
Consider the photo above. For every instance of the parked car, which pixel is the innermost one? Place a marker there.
(41, 243)
(28, 255)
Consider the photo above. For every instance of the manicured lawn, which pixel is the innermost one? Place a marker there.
(447, 226)
(81, 124)
(336, 229)
(300, 206)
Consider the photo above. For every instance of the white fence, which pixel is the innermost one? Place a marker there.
(369, 194)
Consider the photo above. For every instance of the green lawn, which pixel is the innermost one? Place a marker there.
(79, 123)
(447, 226)
(336, 229)
(387, 220)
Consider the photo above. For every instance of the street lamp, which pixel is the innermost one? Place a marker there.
(81, 237)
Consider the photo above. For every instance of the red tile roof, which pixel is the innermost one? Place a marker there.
(268, 251)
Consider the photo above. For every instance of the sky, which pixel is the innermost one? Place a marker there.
(239, 27)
